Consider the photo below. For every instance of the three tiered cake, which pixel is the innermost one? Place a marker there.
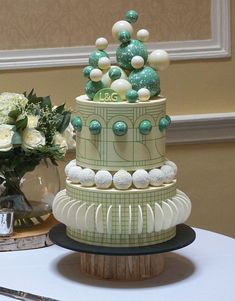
(121, 190)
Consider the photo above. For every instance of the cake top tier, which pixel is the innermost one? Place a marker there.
(134, 77)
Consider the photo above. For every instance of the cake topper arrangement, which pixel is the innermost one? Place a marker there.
(135, 77)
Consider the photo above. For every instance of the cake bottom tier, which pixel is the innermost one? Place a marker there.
(121, 218)
(123, 240)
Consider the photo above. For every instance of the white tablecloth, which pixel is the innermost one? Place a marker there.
(205, 270)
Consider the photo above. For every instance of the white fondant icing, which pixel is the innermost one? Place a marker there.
(119, 219)
(120, 26)
(89, 218)
(99, 219)
(122, 179)
(140, 219)
(74, 174)
(150, 219)
(103, 179)
(175, 212)
(101, 43)
(143, 35)
(96, 75)
(121, 86)
(158, 216)
(80, 216)
(70, 164)
(64, 210)
(109, 220)
(130, 220)
(71, 215)
(168, 172)
(104, 63)
(87, 177)
(144, 94)
(156, 177)
(168, 215)
(140, 178)
(173, 165)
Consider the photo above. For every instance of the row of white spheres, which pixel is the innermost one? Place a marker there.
(121, 179)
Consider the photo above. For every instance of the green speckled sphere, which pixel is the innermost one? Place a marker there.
(95, 127)
(147, 78)
(76, 123)
(120, 128)
(163, 124)
(95, 56)
(92, 88)
(124, 36)
(87, 70)
(145, 127)
(115, 73)
(126, 51)
(131, 16)
(131, 96)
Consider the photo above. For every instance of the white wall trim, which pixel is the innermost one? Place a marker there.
(217, 47)
(201, 128)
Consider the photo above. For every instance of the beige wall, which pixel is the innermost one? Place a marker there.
(206, 172)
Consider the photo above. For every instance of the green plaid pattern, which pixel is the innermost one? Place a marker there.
(123, 240)
(152, 146)
(128, 201)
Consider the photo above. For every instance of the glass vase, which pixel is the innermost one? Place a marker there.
(31, 196)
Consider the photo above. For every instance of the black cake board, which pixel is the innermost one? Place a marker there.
(122, 263)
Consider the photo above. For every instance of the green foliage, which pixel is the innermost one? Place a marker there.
(17, 161)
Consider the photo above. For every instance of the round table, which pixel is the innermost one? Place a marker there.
(205, 270)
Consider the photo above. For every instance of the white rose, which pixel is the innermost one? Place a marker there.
(32, 121)
(6, 134)
(32, 139)
(9, 102)
(61, 141)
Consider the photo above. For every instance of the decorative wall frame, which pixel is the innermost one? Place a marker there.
(218, 46)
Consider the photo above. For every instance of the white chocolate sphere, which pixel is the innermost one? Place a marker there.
(137, 62)
(157, 177)
(101, 43)
(173, 165)
(104, 63)
(143, 35)
(74, 174)
(103, 179)
(87, 177)
(159, 59)
(96, 75)
(122, 179)
(144, 94)
(106, 80)
(121, 86)
(140, 178)
(168, 172)
(70, 164)
(120, 26)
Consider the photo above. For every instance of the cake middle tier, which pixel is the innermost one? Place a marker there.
(120, 134)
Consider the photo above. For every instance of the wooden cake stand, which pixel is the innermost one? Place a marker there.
(29, 237)
(122, 263)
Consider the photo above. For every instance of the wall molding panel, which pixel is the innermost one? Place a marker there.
(201, 128)
(218, 46)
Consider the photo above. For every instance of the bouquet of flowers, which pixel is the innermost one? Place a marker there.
(31, 130)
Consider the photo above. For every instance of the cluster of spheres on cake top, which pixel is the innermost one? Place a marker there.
(135, 77)
(121, 179)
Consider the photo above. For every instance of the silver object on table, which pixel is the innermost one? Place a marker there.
(6, 221)
(24, 296)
